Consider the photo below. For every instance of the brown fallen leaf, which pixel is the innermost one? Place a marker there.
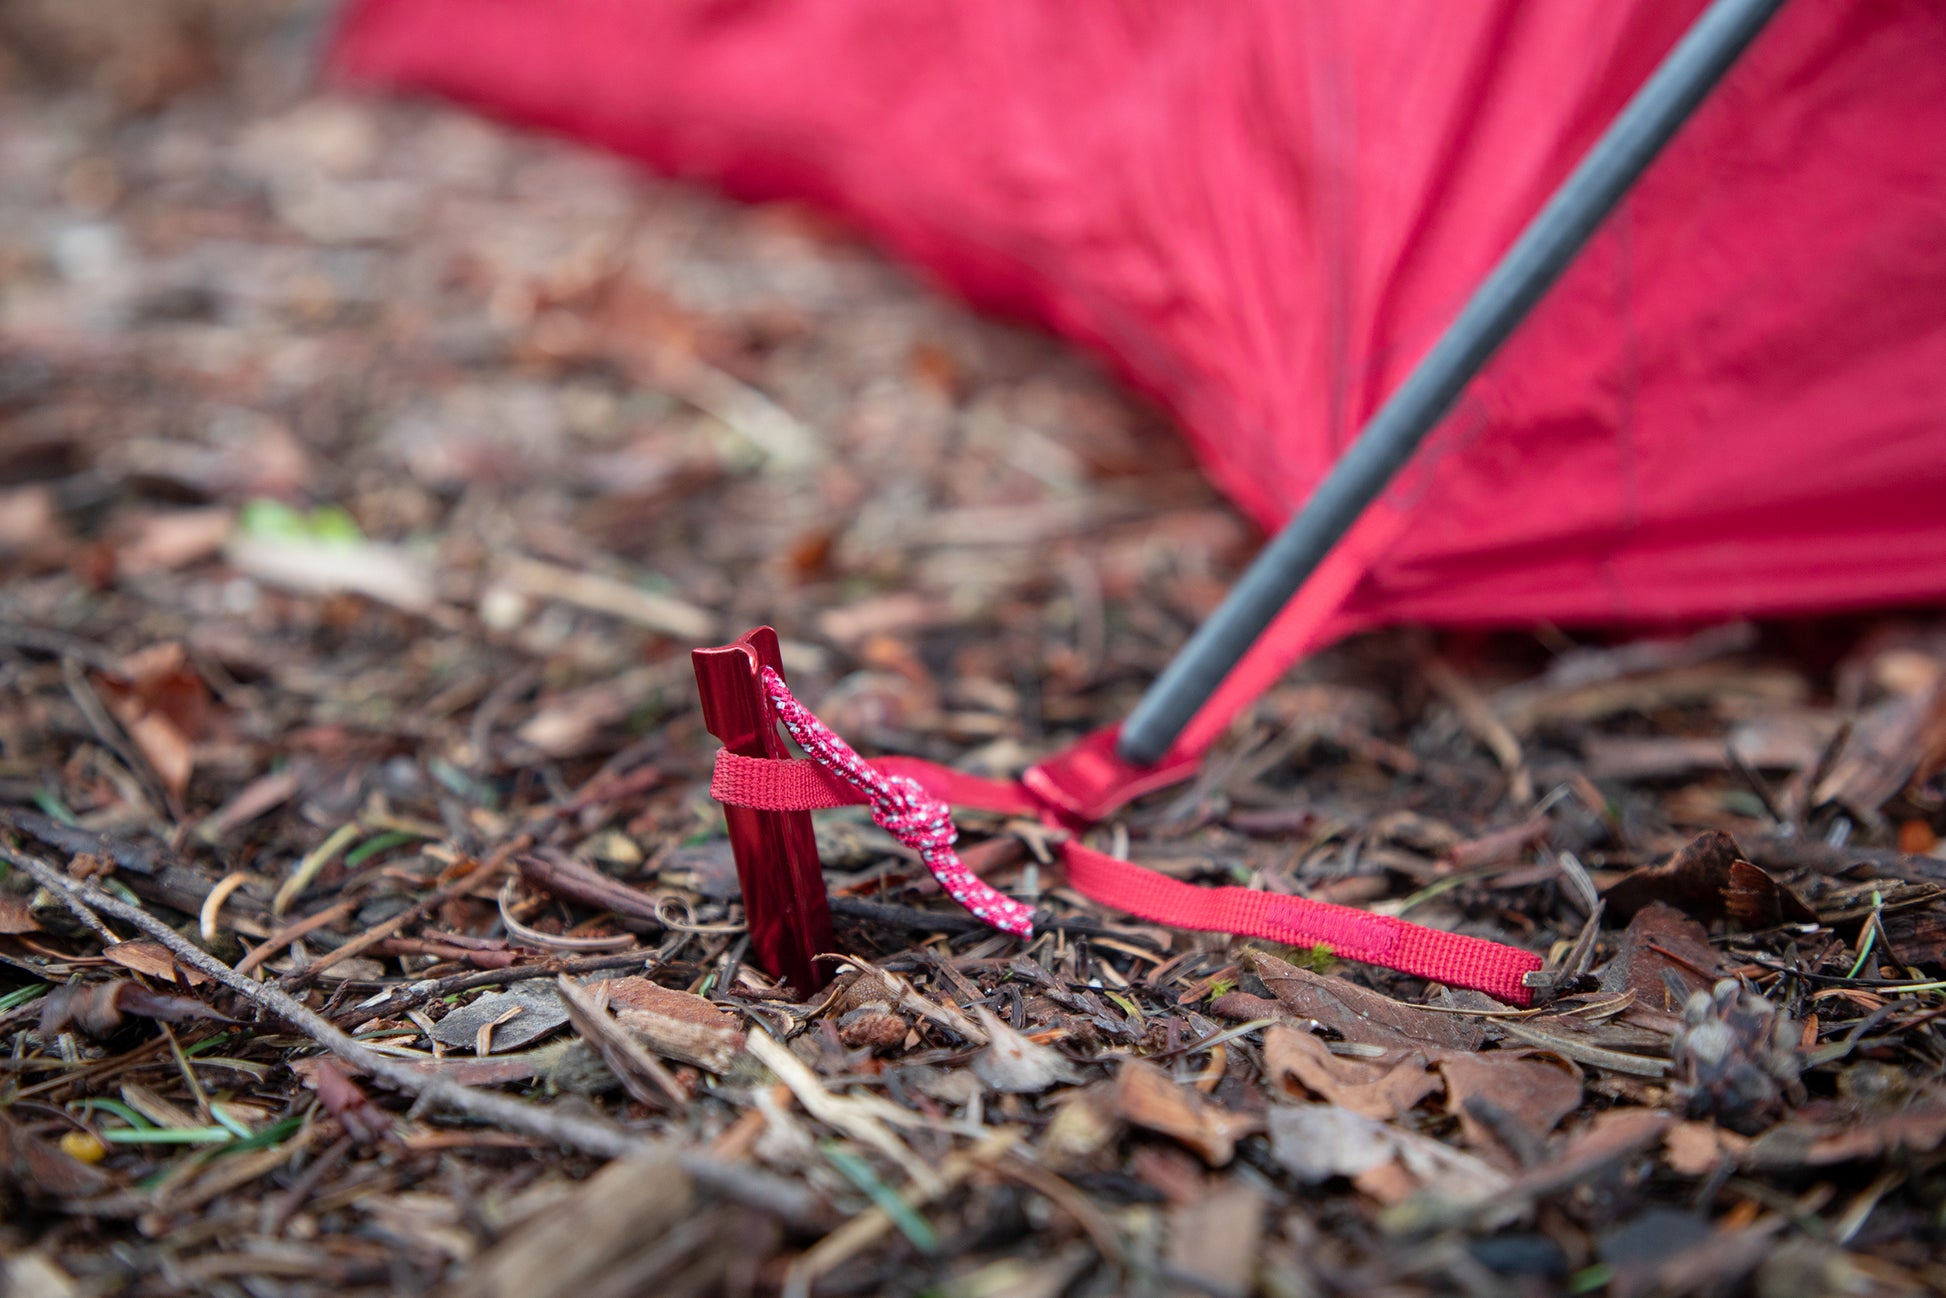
(1709, 879)
(674, 1024)
(1662, 944)
(1894, 742)
(16, 916)
(39, 1169)
(1084, 1125)
(100, 1009)
(1361, 1015)
(163, 704)
(1508, 1103)
(1376, 1090)
(1667, 1251)
(1146, 1097)
(166, 541)
(153, 959)
(1605, 1141)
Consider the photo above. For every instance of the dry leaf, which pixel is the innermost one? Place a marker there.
(1708, 879)
(40, 1169)
(1660, 944)
(1893, 742)
(163, 703)
(1376, 1090)
(99, 1009)
(1699, 1148)
(621, 1211)
(153, 959)
(16, 916)
(1083, 1126)
(541, 1012)
(1214, 1238)
(1146, 1097)
(1801, 1144)
(641, 1074)
(1360, 1015)
(1507, 1103)
(164, 542)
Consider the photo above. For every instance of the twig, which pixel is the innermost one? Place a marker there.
(660, 613)
(856, 1116)
(313, 865)
(280, 1211)
(213, 904)
(86, 916)
(288, 934)
(56, 644)
(564, 877)
(588, 1135)
(426, 905)
(138, 858)
(912, 919)
(417, 994)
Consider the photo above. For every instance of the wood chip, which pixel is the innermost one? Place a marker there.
(674, 1024)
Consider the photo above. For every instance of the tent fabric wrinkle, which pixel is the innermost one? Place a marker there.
(1263, 213)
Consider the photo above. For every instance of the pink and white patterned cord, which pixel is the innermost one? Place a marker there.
(902, 808)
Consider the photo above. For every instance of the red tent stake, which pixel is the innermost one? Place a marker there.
(776, 854)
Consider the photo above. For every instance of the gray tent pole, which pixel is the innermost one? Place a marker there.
(1497, 307)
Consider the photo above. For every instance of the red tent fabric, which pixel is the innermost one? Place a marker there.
(1264, 212)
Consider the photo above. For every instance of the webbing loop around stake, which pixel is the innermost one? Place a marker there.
(909, 798)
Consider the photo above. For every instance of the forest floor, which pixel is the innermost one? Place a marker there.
(367, 472)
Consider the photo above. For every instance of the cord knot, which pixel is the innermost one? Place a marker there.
(902, 807)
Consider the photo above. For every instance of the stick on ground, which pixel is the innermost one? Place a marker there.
(588, 1135)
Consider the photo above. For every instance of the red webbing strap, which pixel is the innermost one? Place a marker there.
(802, 785)
(769, 785)
(1449, 958)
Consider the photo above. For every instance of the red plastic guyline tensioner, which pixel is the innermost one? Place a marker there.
(776, 852)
